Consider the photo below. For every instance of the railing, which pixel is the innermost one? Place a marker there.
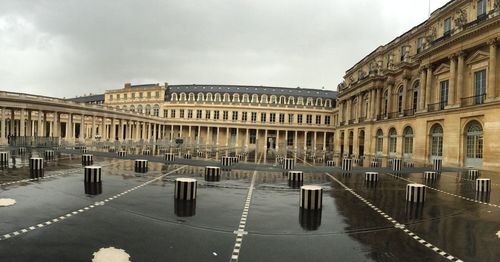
(473, 100)
(436, 106)
(409, 112)
(33, 141)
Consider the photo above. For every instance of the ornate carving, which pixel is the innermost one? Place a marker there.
(496, 5)
(390, 63)
(492, 41)
(461, 18)
(430, 35)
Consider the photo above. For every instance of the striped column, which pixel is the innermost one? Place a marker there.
(235, 160)
(212, 173)
(472, 174)
(375, 163)
(92, 174)
(87, 159)
(346, 164)
(371, 176)
(295, 176)
(185, 188)
(225, 161)
(310, 219)
(141, 165)
(4, 158)
(396, 165)
(93, 188)
(49, 154)
(311, 197)
(21, 150)
(36, 163)
(483, 185)
(188, 156)
(437, 164)
(122, 153)
(330, 163)
(409, 164)
(415, 193)
(288, 163)
(430, 175)
(84, 150)
(169, 157)
(185, 208)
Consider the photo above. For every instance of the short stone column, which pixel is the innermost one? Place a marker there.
(472, 174)
(415, 193)
(430, 175)
(36, 163)
(141, 165)
(371, 176)
(437, 164)
(311, 197)
(188, 156)
(225, 161)
(169, 157)
(375, 163)
(49, 154)
(122, 153)
(288, 163)
(185, 188)
(87, 159)
(483, 185)
(92, 174)
(295, 176)
(212, 173)
(396, 164)
(4, 158)
(330, 163)
(347, 164)
(146, 152)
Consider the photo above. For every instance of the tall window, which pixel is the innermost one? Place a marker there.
(290, 118)
(444, 94)
(132, 108)
(479, 86)
(408, 140)
(380, 141)
(386, 102)
(207, 114)
(299, 119)
(254, 117)
(253, 136)
(436, 140)
(139, 109)
(181, 113)
(420, 44)
(263, 117)
(156, 110)
(225, 115)
(309, 119)
(282, 118)
(318, 119)
(447, 26)
(190, 113)
(198, 114)
(272, 117)
(481, 9)
(393, 138)
(474, 140)
(216, 114)
(244, 116)
(235, 116)
(327, 120)
(172, 113)
(148, 109)
(416, 87)
(400, 100)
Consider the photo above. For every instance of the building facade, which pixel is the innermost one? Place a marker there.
(431, 93)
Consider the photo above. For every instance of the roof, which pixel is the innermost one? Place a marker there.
(87, 99)
(243, 89)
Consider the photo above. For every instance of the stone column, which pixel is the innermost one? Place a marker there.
(40, 124)
(217, 139)
(390, 99)
(428, 85)
(348, 109)
(11, 122)
(406, 83)
(22, 123)
(237, 137)
(29, 127)
(56, 126)
(83, 128)
(324, 141)
(2, 131)
(491, 88)
(460, 78)
(44, 126)
(341, 111)
(112, 130)
(246, 138)
(377, 102)
(360, 103)
(94, 128)
(422, 91)
(451, 83)
(305, 143)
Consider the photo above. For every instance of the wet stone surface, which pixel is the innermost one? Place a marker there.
(249, 213)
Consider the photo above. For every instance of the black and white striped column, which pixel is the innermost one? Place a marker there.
(346, 164)
(169, 157)
(330, 163)
(415, 193)
(49, 154)
(311, 197)
(483, 185)
(212, 172)
(87, 159)
(430, 175)
(184, 208)
(92, 174)
(437, 164)
(93, 188)
(21, 150)
(375, 163)
(36, 163)
(371, 176)
(396, 164)
(188, 156)
(288, 163)
(235, 160)
(4, 158)
(409, 164)
(295, 176)
(225, 161)
(122, 153)
(310, 219)
(141, 165)
(185, 188)
(84, 150)
(472, 174)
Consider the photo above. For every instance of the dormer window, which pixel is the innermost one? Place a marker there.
(447, 26)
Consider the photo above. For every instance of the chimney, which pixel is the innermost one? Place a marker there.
(128, 85)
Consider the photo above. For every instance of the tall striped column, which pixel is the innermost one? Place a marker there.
(430, 175)
(92, 174)
(311, 197)
(122, 153)
(288, 163)
(188, 156)
(225, 161)
(21, 150)
(347, 164)
(92, 188)
(330, 163)
(141, 165)
(87, 159)
(4, 158)
(169, 157)
(184, 208)
(415, 193)
(437, 164)
(472, 174)
(36, 163)
(212, 173)
(375, 163)
(185, 188)
(483, 185)
(371, 176)
(146, 152)
(396, 164)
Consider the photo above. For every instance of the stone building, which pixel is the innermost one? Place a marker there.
(431, 93)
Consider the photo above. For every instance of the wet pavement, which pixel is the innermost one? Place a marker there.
(60, 218)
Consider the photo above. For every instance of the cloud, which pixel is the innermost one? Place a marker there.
(67, 48)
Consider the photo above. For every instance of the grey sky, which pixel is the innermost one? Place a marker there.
(71, 47)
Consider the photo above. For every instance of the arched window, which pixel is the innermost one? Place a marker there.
(263, 99)
(408, 140)
(309, 101)
(416, 87)
(227, 97)
(236, 98)
(139, 109)
(245, 98)
(379, 143)
(386, 102)
(282, 100)
(201, 98)
(319, 102)
(156, 110)
(124, 107)
(148, 109)
(209, 97)
(174, 97)
(393, 139)
(132, 108)
(273, 99)
(291, 100)
(182, 97)
(191, 97)
(436, 140)
(474, 140)
(217, 97)
(300, 101)
(255, 98)
(400, 100)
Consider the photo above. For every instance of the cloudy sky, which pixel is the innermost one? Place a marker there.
(66, 48)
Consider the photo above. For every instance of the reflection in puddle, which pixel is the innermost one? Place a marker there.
(310, 220)
(36, 173)
(185, 208)
(93, 188)
(414, 210)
